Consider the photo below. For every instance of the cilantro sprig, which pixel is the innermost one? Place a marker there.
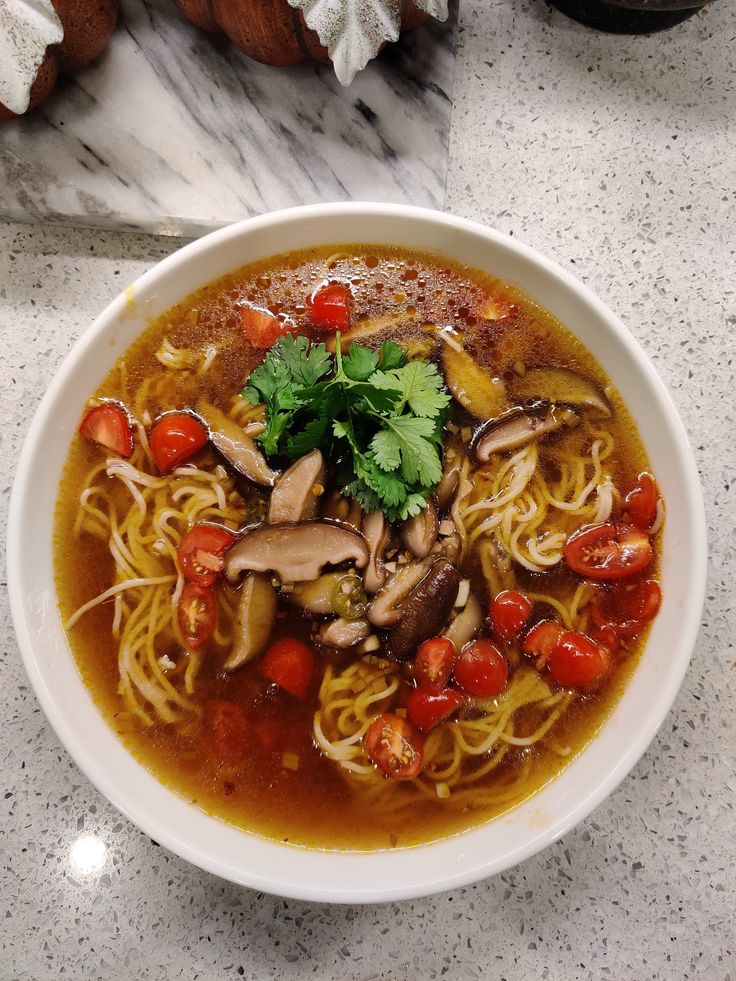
(377, 416)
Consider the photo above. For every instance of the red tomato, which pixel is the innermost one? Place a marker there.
(201, 552)
(628, 608)
(606, 637)
(289, 664)
(541, 639)
(108, 425)
(481, 669)
(329, 306)
(197, 614)
(433, 664)
(427, 709)
(175, 438)
(640, 504)
(608, 551)
(576, 661)
(262, 328)
(229, 728)
(509, 612)
(395, 746)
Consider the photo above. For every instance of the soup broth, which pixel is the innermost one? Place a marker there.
(276, 764)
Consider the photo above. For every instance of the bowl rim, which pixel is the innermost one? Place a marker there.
(157, 829)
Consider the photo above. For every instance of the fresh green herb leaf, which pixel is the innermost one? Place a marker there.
(309, 438)
(412, 439)
(391, 356)
(420, 385)
(379, 417)
(386, 450)
(359, 363)
(306, 362)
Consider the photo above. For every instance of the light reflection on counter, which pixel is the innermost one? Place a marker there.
(87, 855)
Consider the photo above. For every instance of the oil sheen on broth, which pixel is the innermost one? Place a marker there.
(281, 785)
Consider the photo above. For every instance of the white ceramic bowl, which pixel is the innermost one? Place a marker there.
(339, 876)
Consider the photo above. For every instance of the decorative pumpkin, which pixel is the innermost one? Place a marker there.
(285, 32)
(42, 39)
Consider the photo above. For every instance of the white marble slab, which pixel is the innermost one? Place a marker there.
(175, 131)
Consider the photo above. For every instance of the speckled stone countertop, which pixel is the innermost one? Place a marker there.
(617, 157)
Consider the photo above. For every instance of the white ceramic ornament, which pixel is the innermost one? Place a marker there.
(27, 28)
(353, 31)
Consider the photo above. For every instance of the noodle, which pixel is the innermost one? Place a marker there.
(142, 517)
(457, 754)
(512, 501)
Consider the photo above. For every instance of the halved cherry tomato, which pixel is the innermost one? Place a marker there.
(229, 726)
(175, 438)
(109, 425)
(329, 306)
(628, 608)
(202, 550)
(509, 612)
(541, 639)
(640, 504)
(427, 709)
(607, 637)
(395, 746)
(433, 664)
(289, 663)
(608, 551)
(576, 661)
(197, 614)
(262, 328)
(481, 669)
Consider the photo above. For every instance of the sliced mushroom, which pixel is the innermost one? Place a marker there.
(466, 624)
(343, 633)
(564, 387)
(377, 532)
(236, 449)
(254, 620)
(447, 487)
(517, 427)
(339, 508)
(370, 326)
(472, 386)
(425, 611)
(419, 533)
(296, 494)
(386, 608)
(297, 551)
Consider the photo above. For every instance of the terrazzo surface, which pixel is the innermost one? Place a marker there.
(617, 158)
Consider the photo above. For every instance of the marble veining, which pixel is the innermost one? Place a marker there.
(175, 131)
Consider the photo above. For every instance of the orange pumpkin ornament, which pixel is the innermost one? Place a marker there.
(278, 32)
(47, 40)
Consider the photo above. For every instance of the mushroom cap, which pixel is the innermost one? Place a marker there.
(418, 534)
(517, 427)
(239, 451)
(293, 497)
(377, 532)
(254, 620)
(425, 611)
(385, 610)
(483, 396)
(563, 386)
(295, 551)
